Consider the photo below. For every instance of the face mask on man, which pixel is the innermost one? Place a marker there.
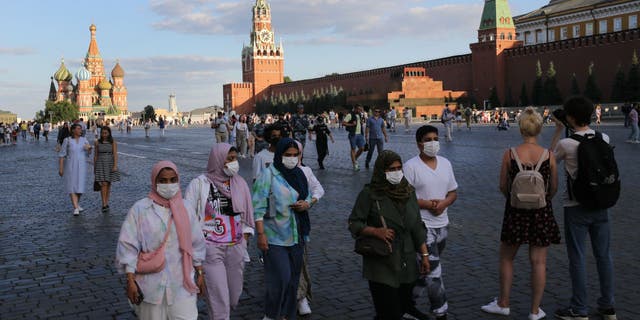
(431, 148)
(168, 190)
(231, 168)
(290, 162)
(394, 177)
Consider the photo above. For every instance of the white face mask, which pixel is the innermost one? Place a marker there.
(231, 168)
(290, 162)
(167, 190)
(431, 148)
(394, 177)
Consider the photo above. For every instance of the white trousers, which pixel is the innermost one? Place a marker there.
(184, 309)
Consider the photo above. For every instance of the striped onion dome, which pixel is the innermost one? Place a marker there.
(63, 73)
(83, 74)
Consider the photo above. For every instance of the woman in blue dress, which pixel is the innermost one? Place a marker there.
(73, 165)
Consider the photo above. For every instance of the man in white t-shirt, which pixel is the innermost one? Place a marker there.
(432, 177)
(264, 158)
(581, 222)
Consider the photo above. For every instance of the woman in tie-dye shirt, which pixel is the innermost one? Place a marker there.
(171, 292)
(281, 200)
(223, 206)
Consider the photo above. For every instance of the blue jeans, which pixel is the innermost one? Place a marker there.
(578, 223)
(634, 131)
(373, 143)
(282, 267)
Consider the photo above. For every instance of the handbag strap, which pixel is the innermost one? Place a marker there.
(166, 235)
(384, 223)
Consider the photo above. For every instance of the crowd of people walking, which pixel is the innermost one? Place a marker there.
(399, 220)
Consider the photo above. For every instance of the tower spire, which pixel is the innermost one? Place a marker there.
(93, 45)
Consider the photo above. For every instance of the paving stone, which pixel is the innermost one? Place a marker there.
(56, 266)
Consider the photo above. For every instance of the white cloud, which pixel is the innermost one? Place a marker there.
(321, 22)
(17, 51)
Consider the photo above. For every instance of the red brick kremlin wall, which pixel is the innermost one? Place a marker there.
(607, 51)
(573, 56)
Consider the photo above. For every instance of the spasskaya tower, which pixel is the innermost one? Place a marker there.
(262, 64)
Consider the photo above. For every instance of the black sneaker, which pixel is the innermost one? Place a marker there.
(413, 313)
(569, 314)
(608, 314)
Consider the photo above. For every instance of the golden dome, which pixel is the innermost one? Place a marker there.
(104, 85)
(92, 27)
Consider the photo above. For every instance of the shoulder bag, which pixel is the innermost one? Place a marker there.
(373, 246)
(153, 262)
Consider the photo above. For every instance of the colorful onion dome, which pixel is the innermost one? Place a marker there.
(63, 73)
(104, 85)
(83, 74)
(117, 71)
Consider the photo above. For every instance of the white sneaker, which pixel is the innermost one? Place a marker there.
(635, 141)
(76, 212)
(538, 316)
(80, 208)
(493, 307)
(303, 307)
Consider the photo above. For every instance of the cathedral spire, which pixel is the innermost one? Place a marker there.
(52, 91)
(93, 45)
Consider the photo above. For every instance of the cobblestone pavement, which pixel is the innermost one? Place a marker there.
(56, 266)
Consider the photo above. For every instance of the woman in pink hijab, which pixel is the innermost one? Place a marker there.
(163, 218)
(225, 211)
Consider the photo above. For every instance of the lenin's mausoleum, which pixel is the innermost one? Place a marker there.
(572, 34)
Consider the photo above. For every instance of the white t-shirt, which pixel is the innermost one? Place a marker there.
(262, 160)
(567, 150)
(431, 184)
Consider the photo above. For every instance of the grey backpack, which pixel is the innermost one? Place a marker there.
(528, 189)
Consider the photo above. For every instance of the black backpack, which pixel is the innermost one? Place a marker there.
(597, 184)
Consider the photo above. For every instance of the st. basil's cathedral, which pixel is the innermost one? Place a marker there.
(92, 92)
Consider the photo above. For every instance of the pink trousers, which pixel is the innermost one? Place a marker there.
(223, 276)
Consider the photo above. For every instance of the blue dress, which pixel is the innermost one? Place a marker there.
(75, 164)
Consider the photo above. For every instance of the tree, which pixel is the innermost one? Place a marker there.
(575, 88)
(524, 97)
(537, 95)
(287, 79)
(633, 80)
(60, 111)
(149, 113)
(591, 89)
(618, 91)
(493, 98)
(552, 95)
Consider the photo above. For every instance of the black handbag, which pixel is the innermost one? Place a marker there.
(373, 246)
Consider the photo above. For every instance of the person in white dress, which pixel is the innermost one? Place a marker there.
(73, 165)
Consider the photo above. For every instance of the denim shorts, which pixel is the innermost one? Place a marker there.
(356, 141)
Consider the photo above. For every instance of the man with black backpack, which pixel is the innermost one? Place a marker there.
(593, 186)
(353, 124)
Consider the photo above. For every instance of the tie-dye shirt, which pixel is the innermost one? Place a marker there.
(144, 229)
(272, 196)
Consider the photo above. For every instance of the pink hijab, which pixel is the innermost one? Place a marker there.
(180, 219)
(240, 195)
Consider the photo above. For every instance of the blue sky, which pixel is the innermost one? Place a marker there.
(192, 47)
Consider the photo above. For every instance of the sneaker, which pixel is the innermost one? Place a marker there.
(80, 208)
(412, 313)
(356, 167)
(303, 307)
(539, 315)
(569, 314)
(105, 209)
(608, 314)
(76, 212)
(628, 141)
(635, 141)
(494, 308)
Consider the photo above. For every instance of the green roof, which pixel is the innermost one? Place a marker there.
(496, 14)
(559, 6)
